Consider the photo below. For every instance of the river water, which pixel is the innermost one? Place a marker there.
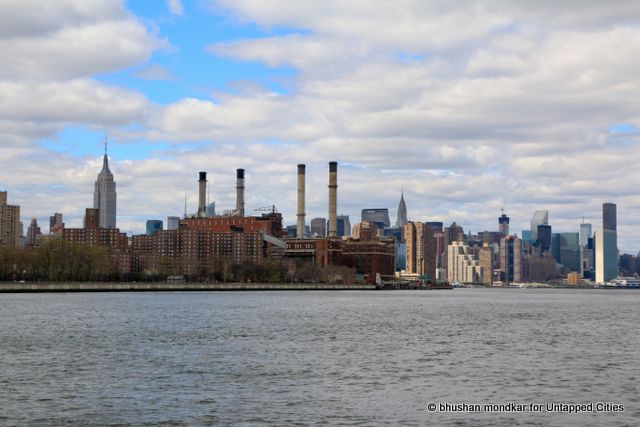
(325, 358)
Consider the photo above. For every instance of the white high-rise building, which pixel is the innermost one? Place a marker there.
(585, 234)
(462, 265)
(606, 255)
(104, 195)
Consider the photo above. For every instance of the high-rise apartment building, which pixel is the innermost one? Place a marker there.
(485, 256)
(104, 196)
(463, 266)
(9, 222)
(452, 233)
(421, 248)
(511, 259)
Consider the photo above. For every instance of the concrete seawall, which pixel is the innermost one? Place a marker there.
(141, 287)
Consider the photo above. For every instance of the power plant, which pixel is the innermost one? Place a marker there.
(240, 192)
(300, 215)
(202, 194)
(333, 196)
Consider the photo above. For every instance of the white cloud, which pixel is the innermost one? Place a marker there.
(176, 7)
(469, 106)
(77, 101)
(155, 72)
(70, 39)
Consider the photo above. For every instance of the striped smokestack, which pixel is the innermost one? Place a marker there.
(301, 184)
(333, 196)
(240, 192)
(202, 193)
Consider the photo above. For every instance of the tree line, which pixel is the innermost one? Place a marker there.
(63, 261)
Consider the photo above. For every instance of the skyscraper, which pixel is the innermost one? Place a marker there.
(153, 225)
(511, 259)
(402, 212)
(420, 250)
(379, 217)
(452, 233)
(55, 222)
(33, 232)
(609, 217)
(606, 255)
(485, 257)
(586, 252)
(607, 245)
(539, 218)
(544, 236)
(503, 223)
(585, 234)
(319, 227)
(104, 196)
(211, 210)
(344, 222)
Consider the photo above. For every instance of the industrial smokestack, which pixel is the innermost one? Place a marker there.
(240, 192)
(333, 196)
(202, 194)
(301, 178)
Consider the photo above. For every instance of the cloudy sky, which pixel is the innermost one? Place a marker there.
(469, 107)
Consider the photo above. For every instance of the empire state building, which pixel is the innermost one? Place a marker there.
(104, 196)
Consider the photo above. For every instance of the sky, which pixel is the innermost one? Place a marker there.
(468, 107)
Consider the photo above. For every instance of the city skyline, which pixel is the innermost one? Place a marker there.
(468, 110)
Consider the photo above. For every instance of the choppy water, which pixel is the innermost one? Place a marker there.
(300, 358)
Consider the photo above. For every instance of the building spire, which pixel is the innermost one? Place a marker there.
(105, 160)
(402, 211)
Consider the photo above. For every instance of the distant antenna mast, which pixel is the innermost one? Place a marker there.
(105, 145)
(185, 204)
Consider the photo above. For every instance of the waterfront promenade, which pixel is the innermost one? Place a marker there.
(150, 286)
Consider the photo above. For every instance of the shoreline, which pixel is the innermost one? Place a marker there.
(40, 287)
(12, 287)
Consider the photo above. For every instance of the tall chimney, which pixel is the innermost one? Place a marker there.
(240, 192)
(301, 178)
(202, 194)
(333, 195)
